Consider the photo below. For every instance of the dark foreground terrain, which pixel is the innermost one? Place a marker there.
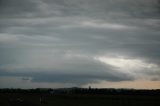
(88, 99)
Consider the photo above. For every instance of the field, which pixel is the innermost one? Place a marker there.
(40, 99)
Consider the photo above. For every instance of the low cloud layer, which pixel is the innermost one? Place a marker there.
(80, 41)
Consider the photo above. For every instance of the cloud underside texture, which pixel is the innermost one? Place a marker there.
(80, 41)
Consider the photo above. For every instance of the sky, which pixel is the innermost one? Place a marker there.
(80, 43)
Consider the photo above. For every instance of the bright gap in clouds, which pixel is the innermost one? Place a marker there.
(126, 64)
(105, 25)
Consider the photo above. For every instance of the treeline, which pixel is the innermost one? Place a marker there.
(84, 91)
(18, 90)
(117, 91)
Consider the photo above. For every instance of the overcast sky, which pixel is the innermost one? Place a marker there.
(66, 43)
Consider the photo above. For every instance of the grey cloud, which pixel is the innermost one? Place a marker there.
(19, 8)
(37, 35)
(103, 7)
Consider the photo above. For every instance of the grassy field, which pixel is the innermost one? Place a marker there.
(28, 99)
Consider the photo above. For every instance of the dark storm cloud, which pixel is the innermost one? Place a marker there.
(65, 36)
(76, 73)
(77, 79)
